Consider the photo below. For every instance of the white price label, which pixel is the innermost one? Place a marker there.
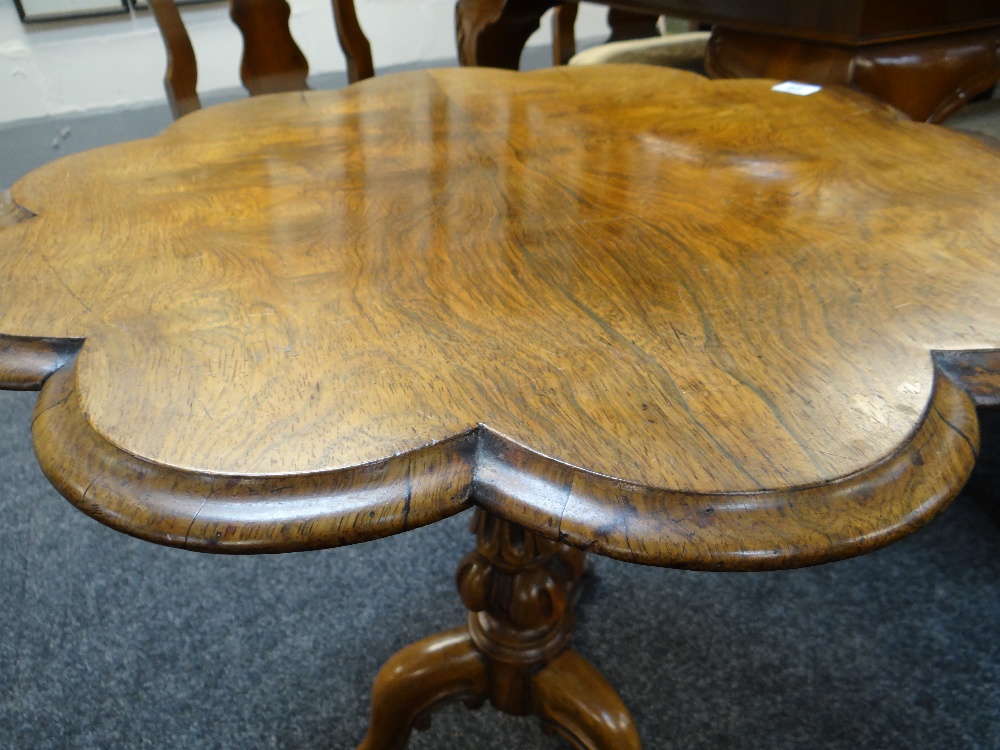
(794, 87)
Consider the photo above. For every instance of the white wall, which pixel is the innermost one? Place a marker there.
(118, 62)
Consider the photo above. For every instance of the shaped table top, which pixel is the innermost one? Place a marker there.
(669, 320)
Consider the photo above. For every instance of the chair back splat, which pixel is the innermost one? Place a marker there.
(272, 61)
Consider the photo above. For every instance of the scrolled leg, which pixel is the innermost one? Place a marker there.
(519, 588)
(420, 678)
(574, 700)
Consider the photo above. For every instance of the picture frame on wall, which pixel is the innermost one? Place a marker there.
(144, 4)
(37, 11)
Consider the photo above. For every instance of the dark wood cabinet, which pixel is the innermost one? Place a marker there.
(925, 57)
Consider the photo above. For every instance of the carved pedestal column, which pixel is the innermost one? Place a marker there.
(514, 652)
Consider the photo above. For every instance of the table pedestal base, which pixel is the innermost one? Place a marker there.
(514, 652)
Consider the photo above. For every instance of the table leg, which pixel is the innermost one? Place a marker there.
(564, 33)
(575, 701)
(519, 588)
(422, 677)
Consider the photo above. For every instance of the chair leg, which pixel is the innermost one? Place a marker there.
(564, 33)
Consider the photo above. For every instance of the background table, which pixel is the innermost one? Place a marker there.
(927, 59)
(293, 291)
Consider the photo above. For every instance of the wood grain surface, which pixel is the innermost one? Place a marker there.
(669, 320)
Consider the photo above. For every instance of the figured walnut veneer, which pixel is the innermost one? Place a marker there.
(669, 320)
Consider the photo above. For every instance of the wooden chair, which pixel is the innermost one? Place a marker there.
(272, 61)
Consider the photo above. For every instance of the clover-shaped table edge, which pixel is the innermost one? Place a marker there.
(534, 519)
(518, 584)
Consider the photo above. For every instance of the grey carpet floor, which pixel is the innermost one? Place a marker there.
(108, 642)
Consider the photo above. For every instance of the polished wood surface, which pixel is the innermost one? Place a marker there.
(926, 59)
(670, 320)
(271, 62)
(515, 652)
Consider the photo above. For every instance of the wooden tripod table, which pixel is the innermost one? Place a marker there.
(636, 313)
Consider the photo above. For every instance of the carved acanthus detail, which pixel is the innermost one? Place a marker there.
(516, 585)
(514, 654)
